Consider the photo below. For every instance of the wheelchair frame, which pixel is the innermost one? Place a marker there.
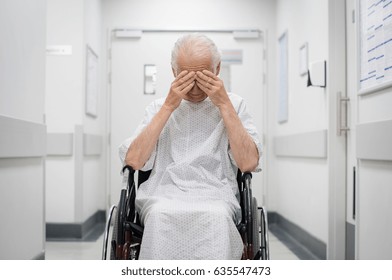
(128, 232)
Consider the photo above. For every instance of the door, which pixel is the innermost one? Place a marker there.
(371, 128)
(128, 101)
(351, 105)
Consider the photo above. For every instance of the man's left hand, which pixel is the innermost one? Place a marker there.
(213, 87)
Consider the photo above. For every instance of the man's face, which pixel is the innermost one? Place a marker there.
(195, 64)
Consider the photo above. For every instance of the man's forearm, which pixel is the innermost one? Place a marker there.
(242, 146)
(141, 148)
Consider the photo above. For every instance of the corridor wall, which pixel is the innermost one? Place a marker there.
(75, 177)
(23, 129)
(298, 165)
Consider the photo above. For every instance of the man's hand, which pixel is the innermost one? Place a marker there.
(243, 147)
(182, 84)
(142, 147)
(213, 87)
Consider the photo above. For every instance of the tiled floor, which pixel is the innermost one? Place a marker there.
(279, 251)
(93, 250)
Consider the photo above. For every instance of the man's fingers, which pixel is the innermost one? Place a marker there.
(186, 89)
(187, 76)
(201, 76)
(189, 82)
(207, 78)
(180, 78)
(205, 83)
(209, 74)
(184, 80)
(203, 88)
(182, 74)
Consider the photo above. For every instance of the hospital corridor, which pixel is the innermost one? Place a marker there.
(197, 129)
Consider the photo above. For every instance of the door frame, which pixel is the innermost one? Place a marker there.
(337, 145)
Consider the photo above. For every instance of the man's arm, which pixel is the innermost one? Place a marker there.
(141, 148)
(243, 147)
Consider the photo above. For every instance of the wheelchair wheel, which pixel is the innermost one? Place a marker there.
(108, 231)
(264, 234)
(113, 242)
(118, 240)
(256, 228)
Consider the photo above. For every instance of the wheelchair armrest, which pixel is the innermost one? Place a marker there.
(247, 194)
(129, 168)
(131, 175)
(247, 179)
(131, 214)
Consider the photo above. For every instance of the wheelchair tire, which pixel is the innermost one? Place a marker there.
(256, 227)
(113, 242)
(118, 228)
(264, 234)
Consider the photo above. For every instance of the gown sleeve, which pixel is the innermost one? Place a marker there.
(149, 113)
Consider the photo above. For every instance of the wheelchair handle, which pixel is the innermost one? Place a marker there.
(246, 176)
(129, 168)
(131, 175)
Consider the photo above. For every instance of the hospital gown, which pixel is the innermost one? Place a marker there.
(190, 206)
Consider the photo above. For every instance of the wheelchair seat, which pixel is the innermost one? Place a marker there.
(127, 230)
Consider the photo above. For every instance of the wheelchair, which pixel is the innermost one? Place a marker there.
(127, 231)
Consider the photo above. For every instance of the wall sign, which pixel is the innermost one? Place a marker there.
(283, 87)
(91, 82)
(375, 45)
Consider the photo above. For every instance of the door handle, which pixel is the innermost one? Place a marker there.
(340, 101)
(354, 191)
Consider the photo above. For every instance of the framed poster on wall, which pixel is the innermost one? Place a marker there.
(374, 45)
(303, 59)
(91, 82)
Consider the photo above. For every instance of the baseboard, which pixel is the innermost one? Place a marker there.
(302, 243)
(40, 256)
(350, 241)
(89, 230)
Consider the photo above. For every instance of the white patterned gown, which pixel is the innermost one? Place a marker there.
(189, 206)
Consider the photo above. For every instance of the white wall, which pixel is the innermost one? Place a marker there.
(94, 166)
(64, 103)
(298, 186)
(22, 88)
(21, 60)
(75, 183)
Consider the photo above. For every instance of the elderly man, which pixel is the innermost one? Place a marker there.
(194, 140)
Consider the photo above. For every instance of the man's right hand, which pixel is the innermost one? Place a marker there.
(182, 84)
(141, 148)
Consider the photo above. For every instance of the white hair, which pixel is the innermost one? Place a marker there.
(195, 44)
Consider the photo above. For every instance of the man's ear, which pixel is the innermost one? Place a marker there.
(218, 69)
(174, 72)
